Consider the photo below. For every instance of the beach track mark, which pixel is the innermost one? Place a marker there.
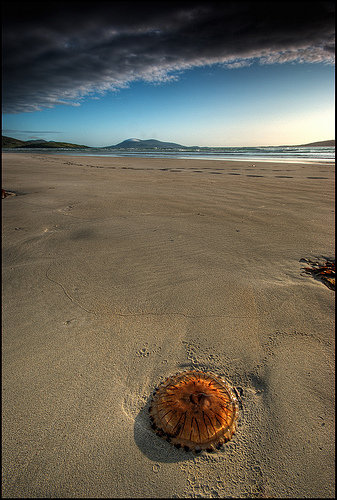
(65, 292)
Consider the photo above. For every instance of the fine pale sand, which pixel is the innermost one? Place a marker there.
(118, 272)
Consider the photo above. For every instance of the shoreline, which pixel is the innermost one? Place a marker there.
(179, 156)
(157, 161)
(119, 272)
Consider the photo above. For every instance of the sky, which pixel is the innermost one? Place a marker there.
(194, 73)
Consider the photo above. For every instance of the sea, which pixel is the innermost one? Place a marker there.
(269, 153)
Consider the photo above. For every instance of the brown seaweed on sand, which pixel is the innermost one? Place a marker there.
(5, 193)
(323, 269)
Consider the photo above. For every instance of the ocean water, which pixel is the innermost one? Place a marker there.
(268, 153)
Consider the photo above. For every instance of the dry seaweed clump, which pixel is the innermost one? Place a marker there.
(5, 193)
(323, 269)
(194, 410)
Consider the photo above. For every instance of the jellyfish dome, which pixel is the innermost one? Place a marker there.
(195, 410)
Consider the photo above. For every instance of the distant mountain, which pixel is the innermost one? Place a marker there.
(154, 144)
(130, 144)
(319, 144)
(10, 142)
(34, 141)
(145, 144)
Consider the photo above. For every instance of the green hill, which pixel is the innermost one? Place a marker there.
(319, 144)
(10, 142)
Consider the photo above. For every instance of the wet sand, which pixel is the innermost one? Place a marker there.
(118, 272)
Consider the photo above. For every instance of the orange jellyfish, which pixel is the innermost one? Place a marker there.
(194, 410)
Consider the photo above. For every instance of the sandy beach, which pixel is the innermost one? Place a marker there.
(118, 272)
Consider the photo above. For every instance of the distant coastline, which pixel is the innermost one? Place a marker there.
(136, 144)
(320, 144)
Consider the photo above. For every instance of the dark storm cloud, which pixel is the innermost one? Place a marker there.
(61, 52)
